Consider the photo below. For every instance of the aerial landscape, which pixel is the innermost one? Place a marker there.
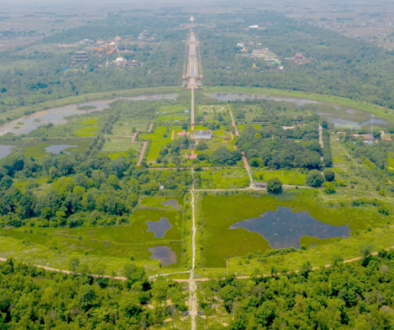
(197, 165)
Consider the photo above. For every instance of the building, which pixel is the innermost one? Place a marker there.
(203, 135)
(261, 185)
(186, 111)
(81, 57)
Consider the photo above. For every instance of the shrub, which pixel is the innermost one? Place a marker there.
(314, 178)
(274, 186)
(329, 175)
(329, 188)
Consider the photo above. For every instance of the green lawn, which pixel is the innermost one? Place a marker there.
(286, 177)
(224, 178)
(116, 242)
(218, 213)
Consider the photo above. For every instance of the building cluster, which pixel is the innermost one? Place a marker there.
(255, 50)
(107, 48)
(299, 59)
(124, 62)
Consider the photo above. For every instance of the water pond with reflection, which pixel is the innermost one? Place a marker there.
(284, 228)
(164, 254)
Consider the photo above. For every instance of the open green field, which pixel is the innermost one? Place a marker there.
(121, 145)
(286, 177)
(218, 213)
(120, 242)
(229, 178)
(160, 137)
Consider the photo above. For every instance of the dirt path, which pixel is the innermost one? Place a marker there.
(279, 274)
(233, 121)
(172, 135)
(142, 153)
(150, 128)
(247, 167)
(134, 137)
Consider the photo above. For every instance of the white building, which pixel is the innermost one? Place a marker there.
(203, 135)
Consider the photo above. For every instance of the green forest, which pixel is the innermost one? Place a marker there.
(341, 66)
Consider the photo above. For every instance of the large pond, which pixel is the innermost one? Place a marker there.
(5, 150)
(56, 116)
(164, 254)
(58, 148)
(160, 227)
(242, 97)
(284, 228)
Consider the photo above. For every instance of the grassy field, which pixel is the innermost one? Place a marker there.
(121, 145)
(218, 213)
(286, 177)
(119, 243)
(158, 140)
(224, 178)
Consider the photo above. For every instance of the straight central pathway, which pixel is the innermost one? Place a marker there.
(193, 285)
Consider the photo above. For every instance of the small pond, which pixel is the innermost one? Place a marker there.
(56, 116)
(159, 228)
(284, 228)
(5, 150)
(171, 202)
(242, 97)
(164, 254)
(58, 148)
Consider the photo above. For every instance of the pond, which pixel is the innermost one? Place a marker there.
(284, 228)
(171, 202)
(58, 148)
(5, 150)
(56, 116)
(159, 228)
(242, 97)
(164, 254)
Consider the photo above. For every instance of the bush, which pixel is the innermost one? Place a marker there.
(329, 175)
(314, 178)
(274, 186)
(329, 188)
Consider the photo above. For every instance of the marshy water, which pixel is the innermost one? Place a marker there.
(164, 254)
(284, 228)
(58, 148)
(171, 202)
(242, 97)
(56, 116)
(159, 228)
(339, 116)
(5, 150)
